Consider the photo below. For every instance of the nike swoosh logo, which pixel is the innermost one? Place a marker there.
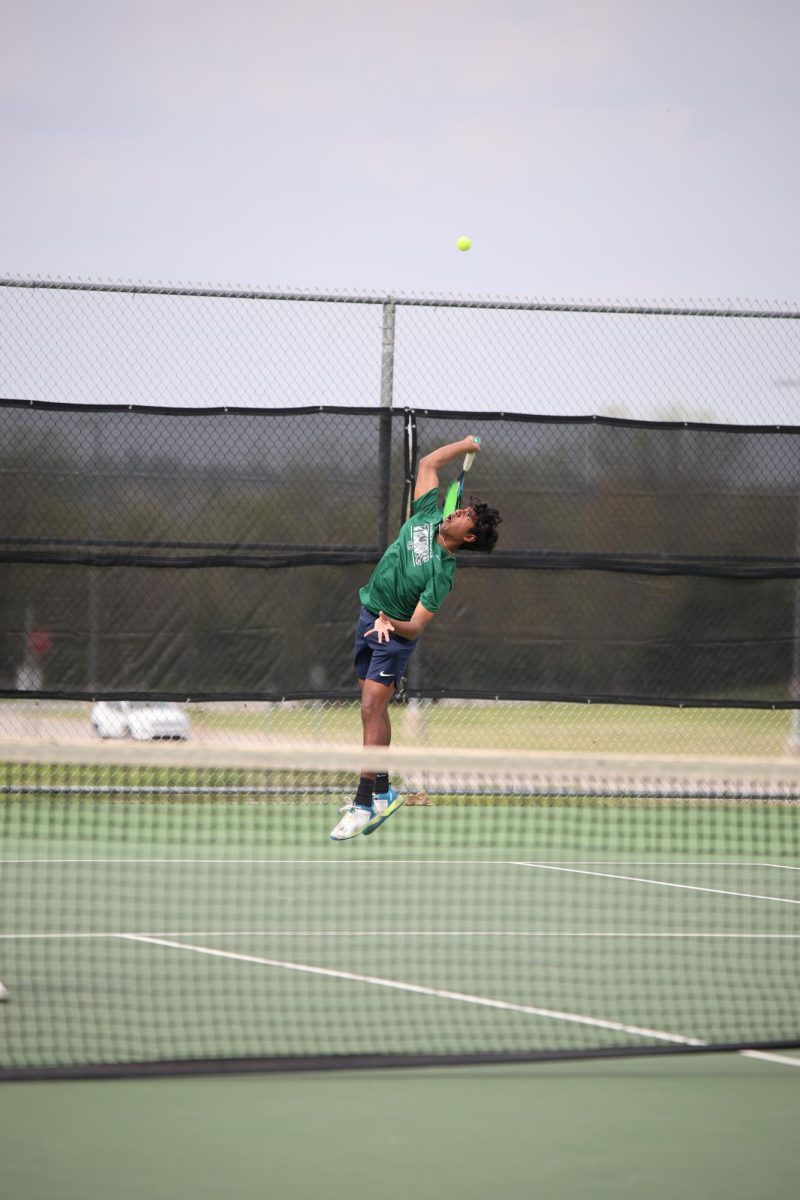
(388, 674)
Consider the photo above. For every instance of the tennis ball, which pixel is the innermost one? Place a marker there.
(464, 243)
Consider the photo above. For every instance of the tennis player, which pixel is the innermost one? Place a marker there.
(400, 600)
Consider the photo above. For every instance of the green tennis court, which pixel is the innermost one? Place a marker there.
(715, 1127)
(147, 931)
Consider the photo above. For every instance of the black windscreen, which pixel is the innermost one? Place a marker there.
(199, 553)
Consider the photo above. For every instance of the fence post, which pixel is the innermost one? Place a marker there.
(93, 598)
(793, 744)
(385, 433)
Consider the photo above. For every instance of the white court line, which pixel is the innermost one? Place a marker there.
(402, 862)
(421, 990)
(463, 997)
(381, 933)
(784, 1059)
(281, 862)
(689, 887)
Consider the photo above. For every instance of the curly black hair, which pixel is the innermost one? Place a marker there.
(485, 528)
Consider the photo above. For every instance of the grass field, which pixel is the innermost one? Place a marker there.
(506, 725)
(625, 729)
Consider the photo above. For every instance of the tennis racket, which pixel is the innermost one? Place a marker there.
(456, 489)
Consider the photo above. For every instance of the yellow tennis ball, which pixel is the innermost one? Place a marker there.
(464, 243)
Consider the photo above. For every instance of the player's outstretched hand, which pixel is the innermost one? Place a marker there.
(382, 627)
(472, 444)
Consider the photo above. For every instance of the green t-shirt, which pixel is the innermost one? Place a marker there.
(414, 568)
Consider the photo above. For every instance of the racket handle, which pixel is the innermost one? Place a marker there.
(469, 457)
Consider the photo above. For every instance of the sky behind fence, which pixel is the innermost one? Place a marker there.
(79, 345)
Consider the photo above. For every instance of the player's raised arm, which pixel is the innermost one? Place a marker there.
(428, 470)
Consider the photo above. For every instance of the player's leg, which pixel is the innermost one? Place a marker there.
(376, 727)
(387, 667)
(374, 797)
(378, 666)
(376, 724)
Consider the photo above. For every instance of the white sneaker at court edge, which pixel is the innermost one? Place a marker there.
(351, 824)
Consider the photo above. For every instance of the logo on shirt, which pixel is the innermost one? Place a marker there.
(420, 544)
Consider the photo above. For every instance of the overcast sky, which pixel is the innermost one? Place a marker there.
(607, 149)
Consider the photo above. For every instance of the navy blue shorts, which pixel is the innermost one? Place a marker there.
(385, 662)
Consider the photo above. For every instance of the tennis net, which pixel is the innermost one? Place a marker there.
(176, 908)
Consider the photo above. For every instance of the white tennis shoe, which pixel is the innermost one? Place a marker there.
(382, 808)
(351, 824)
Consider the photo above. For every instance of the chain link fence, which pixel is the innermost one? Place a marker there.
(104, 343)
(725, 491)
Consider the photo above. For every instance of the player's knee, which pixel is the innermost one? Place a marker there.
(375, 699)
